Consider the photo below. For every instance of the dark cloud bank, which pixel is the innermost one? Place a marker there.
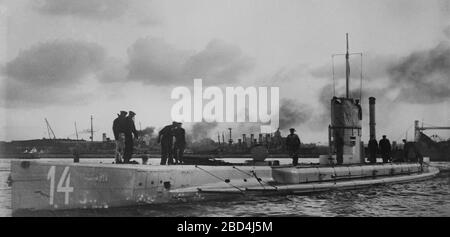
(56, 63)
(94, 9)
(153, 61)
(48, 73)
(423, 77)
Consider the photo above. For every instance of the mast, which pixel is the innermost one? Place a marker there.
(347, 70)
(76, 130)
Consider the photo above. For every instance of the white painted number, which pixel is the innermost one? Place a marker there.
(64, 180)
(51, 176)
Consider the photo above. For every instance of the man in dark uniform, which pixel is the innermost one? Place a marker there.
(385, 149)
(411, 152)
(339, 143)
(119, 125)
(180, 143)
(166, 143)
(130, 130)
(293, 146)
(373, 150)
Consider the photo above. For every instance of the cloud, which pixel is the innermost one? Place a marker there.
(56, 63)
(423, 77)
(153, 61)
(293, 113)
(114, 70)
(95, 9)
(447, 32)
(50, 72)
(218, 62)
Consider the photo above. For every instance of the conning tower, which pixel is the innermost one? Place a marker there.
(345, 129)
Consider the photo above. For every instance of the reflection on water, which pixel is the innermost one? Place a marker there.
(425, 198)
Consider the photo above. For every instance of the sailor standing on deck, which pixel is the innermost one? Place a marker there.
(119, 125)
(385, 149)
(293, 146)
(180, 143)
(373, 150)
(130, 130)
(166, 143)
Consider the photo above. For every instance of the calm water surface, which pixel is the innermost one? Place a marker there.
(425, 198)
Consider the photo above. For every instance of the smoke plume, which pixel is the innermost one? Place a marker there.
(293, 113)
(202, 130)
(147, 131)
(423, 77)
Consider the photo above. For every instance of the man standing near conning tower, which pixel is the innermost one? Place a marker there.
(130, 130)
(373, 150)
(385, 149)
(180, 143)
(119, 125)
(293, 146)
(166, 143)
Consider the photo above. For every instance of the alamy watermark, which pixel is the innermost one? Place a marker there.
(239, 102)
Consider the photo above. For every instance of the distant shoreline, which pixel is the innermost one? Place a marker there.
(106, 156)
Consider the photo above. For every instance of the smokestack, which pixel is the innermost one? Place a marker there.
(260, 141)
(230, 141)
(252, 136)
(416, 130)
(372, 117)
(244, 138)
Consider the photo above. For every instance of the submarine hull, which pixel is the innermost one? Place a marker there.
(49, 185)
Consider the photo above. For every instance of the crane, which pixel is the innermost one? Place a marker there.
(418, 129)
(49, 129)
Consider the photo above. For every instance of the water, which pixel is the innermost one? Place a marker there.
(425, 198)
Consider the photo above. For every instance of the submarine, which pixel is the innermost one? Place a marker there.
(39, 185)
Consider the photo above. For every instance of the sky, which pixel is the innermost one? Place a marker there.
(67, 60)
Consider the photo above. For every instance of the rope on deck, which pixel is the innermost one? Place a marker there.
(253, 174)
(221, 179)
